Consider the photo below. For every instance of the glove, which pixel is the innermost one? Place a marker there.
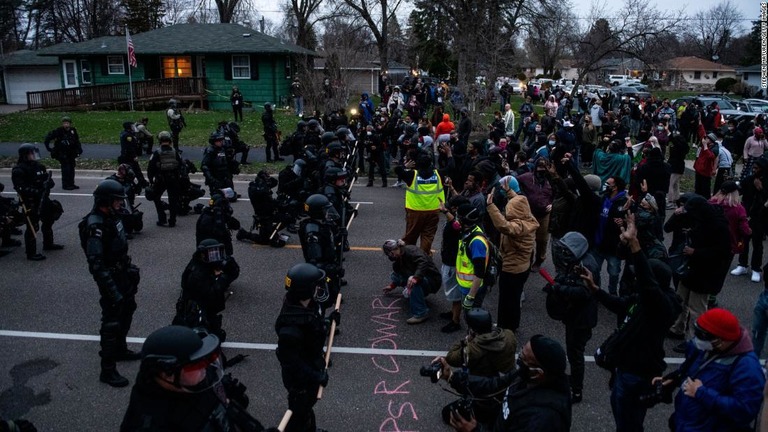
(413, 280)
(468, 302)
(548, 288)
(49, 184)
(324, 378)
(406, 292)
(335, 316)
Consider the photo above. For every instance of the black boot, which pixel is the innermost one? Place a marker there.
(113, 378)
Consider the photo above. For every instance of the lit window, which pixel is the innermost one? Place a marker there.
(241, 67)
(115, 65)
(177, 67)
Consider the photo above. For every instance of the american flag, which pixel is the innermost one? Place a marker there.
(131, 51)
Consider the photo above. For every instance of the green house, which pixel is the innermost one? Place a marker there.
(212, 58)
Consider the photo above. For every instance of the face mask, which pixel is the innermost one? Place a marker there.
(702, 344)
(730, 129)
(551, 142)
(660, 127)
(524, 371)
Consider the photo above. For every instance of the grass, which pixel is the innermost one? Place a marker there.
(111, 165)
(104, 127)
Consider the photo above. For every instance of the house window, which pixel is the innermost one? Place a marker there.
(241, 67)
(85, 72)
(714, 75)
(177, 67)
(746, 76)
(288, 73)
(115, 65)
(697, 75)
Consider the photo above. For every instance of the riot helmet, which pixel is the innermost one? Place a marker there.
(318, 206)
(301, 126)
(342, 133)
(125, 171)
(327, 138)
(305, 281)
(313, 124)
(234, 127)
(334, 149)
(479, 320)
(189, 360)
(216, 137)
(107, 192)
(211, 251)
(268, 107)
(172, 103)
(128, 126)
(164, 137)
(28, 149)
(334, 173)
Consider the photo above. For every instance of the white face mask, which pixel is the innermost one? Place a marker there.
(702, 344)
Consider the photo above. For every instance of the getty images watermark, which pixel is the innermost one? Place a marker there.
(764, 45)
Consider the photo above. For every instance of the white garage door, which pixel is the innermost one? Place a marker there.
(19, 81)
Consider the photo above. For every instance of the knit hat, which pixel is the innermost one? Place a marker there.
(720, 323)
(512, 182)
(712, 137)
(729, 186)
(757, 131)
(593, 182)
(549, 354)
(651, 201)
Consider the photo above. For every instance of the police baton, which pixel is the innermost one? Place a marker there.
(330, 343)
(357, 206)
(284, 421)
(277, 228)
(26, 215)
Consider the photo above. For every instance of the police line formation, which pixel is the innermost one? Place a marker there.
(507, 200)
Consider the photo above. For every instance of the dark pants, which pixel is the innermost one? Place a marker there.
(237, 110)
(703, 186)
(115, 323)
(175, 137)
(628, 413)
(758, 231)
(377, 158)
(722, 174)
(575, 342)
(44, 224)
(301, 403)
(67, 171)
(173, 200)
(510, 290)
(271, 148)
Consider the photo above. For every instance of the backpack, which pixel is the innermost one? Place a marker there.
(493, 269)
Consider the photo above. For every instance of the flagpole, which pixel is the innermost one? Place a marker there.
(128, 56)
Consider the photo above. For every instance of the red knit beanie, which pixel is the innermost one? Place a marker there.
(720, 323)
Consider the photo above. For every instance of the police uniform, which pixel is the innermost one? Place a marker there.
(106, 248)
(164, 172)
(215, 222)
(130, 150)
(33, 184)
(176, 122)
(319, 240)
(270, 134)
(66, 148)
(133, 219)
(215, 167)
(203, 296)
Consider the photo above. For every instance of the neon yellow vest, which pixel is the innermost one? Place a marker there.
(465, 270)
(424, 194)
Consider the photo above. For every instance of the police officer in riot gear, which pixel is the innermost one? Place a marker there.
(181, 386)
(301, 331)
(133, 219)
(265, 209)
(215, 222)
(130, 150)
(164, 172)
(204, 287)
(313, 134)
(66, 149)
(374, 146)
(216, 166)
(33, 184)
(270, 134)
(175, 121)
(297, 140)
(319, 235)
(106, 248)
(337, 194)
(231, 131)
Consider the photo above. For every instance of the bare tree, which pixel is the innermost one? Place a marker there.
(549, 33)
(177, 11)
(376, 14)
(713, 30)
(301, 16)
(635, 31)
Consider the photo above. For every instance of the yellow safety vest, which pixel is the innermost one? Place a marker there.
(424, 194)
(465, 270)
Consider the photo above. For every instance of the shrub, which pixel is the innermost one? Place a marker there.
(725, 84)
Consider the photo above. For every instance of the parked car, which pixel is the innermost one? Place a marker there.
(638, 85)
(753, 105)
(630, 91)
(616, 80)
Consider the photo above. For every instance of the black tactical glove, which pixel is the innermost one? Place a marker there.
(335, 316)
(324, 378)
(49, 184)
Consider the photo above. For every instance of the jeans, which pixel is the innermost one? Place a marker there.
(628, 413)
(575, 343)
(299, 102)
(760, 322)
(417, 302)
(614, 269)
(756, 240)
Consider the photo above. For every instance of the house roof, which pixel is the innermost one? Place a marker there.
(184, 39)
(27, 58)
(749, 69)
(696, 64)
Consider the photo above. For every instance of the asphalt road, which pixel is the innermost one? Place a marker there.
(49, 322)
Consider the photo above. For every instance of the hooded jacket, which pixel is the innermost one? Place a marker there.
(709, 237)
(445, 126)
(518, 232)
(731, 392)
(538, 191)
(581, 310)
(488, 354)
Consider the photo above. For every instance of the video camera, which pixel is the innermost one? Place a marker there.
(434, 371)
(659, 394)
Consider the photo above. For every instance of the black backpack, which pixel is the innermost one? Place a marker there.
(493, 268)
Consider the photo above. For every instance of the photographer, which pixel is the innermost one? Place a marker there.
(375, 148)
(721, 380)
(637, 350)
(486, 351)
(536, 394)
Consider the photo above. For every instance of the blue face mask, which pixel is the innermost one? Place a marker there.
(551, 142)
(702, 344)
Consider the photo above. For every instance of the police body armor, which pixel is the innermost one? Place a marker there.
(169, 162)
(317, 245)
(308, 327)
(218, 167)
(33, 176)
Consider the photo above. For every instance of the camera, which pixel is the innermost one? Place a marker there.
(659, 394)
(462, 407)
(434, 371)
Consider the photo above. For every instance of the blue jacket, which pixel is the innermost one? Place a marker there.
(731, 394)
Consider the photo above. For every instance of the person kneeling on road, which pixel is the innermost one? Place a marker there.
(416, 271)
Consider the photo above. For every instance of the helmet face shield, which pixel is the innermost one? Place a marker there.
(214, 254)
(201, 374)
(36, 154)
(321, 291)
(331, 215)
